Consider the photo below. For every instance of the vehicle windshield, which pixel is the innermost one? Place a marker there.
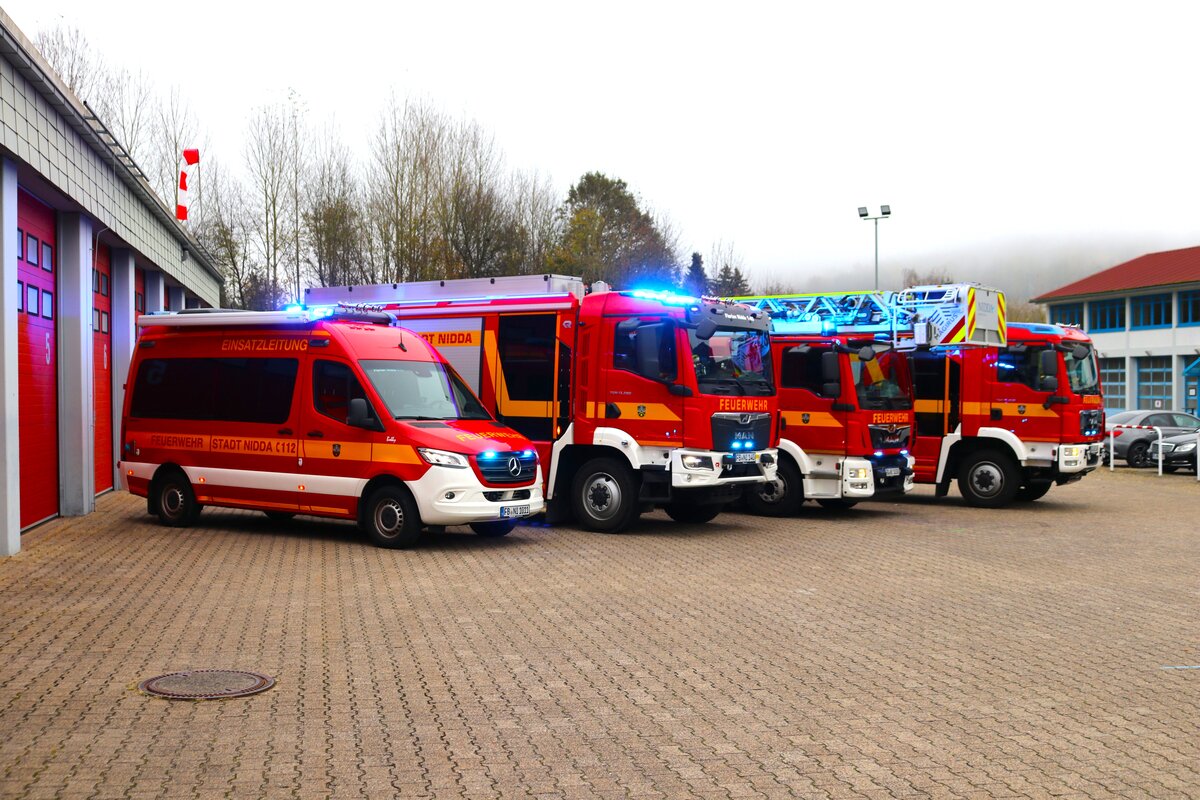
(1083, 373)
(733, 362)
(423, 390)
(882, 382)
(1124, 416)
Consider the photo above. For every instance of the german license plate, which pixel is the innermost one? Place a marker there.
(743, 458)
(892, 472)
(514, 511)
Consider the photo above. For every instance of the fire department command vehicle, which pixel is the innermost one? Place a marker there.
(634, 399)
(849, 366)
(289, 412)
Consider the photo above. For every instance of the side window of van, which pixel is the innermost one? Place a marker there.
(222, 389)
(334, 386)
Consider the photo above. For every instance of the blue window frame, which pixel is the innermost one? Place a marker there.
(1150, 311)
(1107, 315)
(1154, 382)
(1067, 314)
(1189, 307)
(1112, 382)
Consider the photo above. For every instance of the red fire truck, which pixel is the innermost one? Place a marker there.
(842, 367)
(635, 399)
(292, 413)
(1008, 422)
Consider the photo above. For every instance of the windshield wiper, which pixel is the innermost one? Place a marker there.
(423, 418)
(724, 381)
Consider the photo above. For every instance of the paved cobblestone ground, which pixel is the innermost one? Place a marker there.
(913, 649)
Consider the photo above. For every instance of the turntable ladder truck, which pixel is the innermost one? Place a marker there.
(846, 394)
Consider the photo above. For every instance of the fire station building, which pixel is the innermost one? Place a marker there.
(86, 246)
(1144, 316)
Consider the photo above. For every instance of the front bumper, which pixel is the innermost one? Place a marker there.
(893, 474)
(1076, 458)
(725, 468)
(456, 497)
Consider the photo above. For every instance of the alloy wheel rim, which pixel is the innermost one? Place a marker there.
(389, 518)
(987, 479)
(602, 496)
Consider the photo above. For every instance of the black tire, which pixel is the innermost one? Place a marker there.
(501, 527)
(604, 496)
(837, 504)
(279, 516)
(1138, 454)
(781, 497)
(692, 513)
(1033, 491)
(988, 479)
(174, 500)
(390, 518)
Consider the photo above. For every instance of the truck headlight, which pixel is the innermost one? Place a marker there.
(858, 473)
(441, 458)
(697, 462)
(1070, 452)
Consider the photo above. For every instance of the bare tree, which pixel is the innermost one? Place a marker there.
(67, 50)
(406, 180)
(474, 214)
(930, 277)
(265, 156)
(174, 127)
(125, 101)
(226, 232)
(332, 216)
(538, 223)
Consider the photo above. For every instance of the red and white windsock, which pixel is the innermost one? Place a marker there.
(187, 171)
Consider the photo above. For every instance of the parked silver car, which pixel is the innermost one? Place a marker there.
(1134, 445)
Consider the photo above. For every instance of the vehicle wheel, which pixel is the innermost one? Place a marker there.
(175, 501)
(391, 519)
(837, 504)
(781, 497)
(603, 496)
(1138, 454)
(279, 516)
(691, 512)
(988, 479)
(498, 528)
(1033, 491)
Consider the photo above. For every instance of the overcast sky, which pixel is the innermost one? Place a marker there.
(1026, 128)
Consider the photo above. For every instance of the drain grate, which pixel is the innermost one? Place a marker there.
(206, 684)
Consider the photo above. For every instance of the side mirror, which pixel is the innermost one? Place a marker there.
(628, 326)
(800, 348)
(360, 415)
(866, 353)
(1047, 371)
(830, 374)
(679, 390)
(1080, 352)
(705, 329)
(647, 351)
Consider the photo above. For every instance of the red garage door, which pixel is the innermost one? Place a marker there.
(37, 359)
(102, 367)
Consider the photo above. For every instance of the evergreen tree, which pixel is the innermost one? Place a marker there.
(695, 282)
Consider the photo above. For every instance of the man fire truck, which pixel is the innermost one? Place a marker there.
(845, 389)
(1008, 422)
(633, 399)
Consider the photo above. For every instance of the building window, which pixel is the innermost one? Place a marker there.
(1107, 315)
(47, 305)
(32, 302)
(95, 319)
(139, 303)
(31, 250)
(47, 257)
(104, 322)
(1150, 311)
(1154, 382)
(103, 285)
(20, 245)
(1189, 307)
(20, 295)
(1067, 314)
(1112, 383)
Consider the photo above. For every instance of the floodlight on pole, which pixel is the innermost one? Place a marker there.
(884, 213)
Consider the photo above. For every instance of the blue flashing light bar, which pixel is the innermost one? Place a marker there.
(670, 298)
(293, 307)
(878, 452)
(736, 445)
(488, 454)
(527, 453)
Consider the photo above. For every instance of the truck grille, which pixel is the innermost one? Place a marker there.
(885, 436)
(501, 468)
(750, 431)
(1091, 423)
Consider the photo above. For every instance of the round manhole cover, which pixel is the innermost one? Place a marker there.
(207, 684)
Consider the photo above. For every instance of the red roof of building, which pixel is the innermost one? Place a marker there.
(1153, 269)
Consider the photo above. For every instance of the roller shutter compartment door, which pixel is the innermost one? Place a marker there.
(102, 368)
(37, 359)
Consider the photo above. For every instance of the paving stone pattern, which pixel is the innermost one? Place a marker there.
(915, 649)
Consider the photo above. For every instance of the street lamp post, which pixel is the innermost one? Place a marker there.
(884, 213)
